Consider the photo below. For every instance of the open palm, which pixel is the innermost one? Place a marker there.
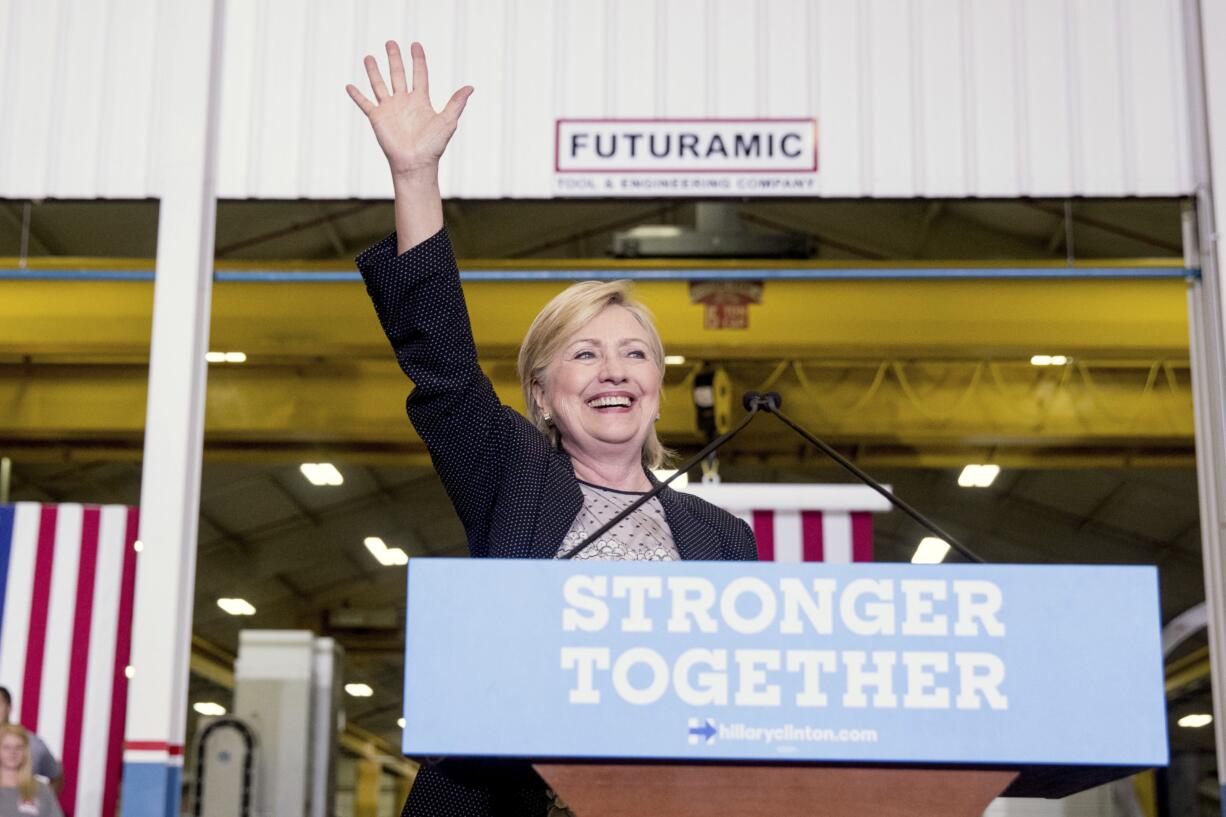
(411, 133)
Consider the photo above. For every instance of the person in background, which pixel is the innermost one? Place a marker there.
(21, 793)
(42, 761)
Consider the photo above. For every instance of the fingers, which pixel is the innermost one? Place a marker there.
(376, 79)
(421, 76)
(455, 105)
(395, 67)
(362, 102)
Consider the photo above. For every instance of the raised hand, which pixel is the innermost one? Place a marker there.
(411, 133)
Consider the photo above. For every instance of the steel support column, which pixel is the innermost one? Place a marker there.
(174, 416)
(1205, 37)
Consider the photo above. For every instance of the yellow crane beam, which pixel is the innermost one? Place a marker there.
(897, 411)
(86, 321)
(914, 372)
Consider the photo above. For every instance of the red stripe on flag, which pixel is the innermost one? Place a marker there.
(861, 536)
(36, 641)
(123, 652)
(764, 532)
(812, 543)
(154, 746)
(74, 716)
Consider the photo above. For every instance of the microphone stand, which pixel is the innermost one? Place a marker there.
(753, 406)
(770, 402)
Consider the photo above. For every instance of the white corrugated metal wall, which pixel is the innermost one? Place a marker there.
(945, 98)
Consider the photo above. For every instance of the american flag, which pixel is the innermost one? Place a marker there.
(801, 522)
(67, 583)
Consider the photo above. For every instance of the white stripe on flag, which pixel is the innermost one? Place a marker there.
(19, 593)
(836, 537)
(61, 613)
(95, 731)
(789, 544)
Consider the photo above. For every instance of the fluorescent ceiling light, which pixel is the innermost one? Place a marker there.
(655, 231)
(321, 473)
(978, 476)
(359, 690)
(664, 473)
(674, 360)
(388, 557)
(1195, 721)
(226, 357)
(209, 708)
(400, 722)
(1048, 360)
(931, 551)
(236, 607)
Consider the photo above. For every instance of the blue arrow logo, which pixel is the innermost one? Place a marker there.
(703, 730)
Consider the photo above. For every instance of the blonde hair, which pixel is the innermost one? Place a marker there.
(27, 786)
(561, 318)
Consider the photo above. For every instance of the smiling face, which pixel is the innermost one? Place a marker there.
(602, 389)
(12, 752)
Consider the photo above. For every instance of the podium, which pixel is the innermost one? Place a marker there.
(709, 688)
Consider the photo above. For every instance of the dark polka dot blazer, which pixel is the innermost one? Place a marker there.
(515, 494)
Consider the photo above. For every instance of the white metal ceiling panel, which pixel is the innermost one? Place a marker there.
(948, 98)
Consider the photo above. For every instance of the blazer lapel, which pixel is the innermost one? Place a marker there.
(561, 501)
(695, 539)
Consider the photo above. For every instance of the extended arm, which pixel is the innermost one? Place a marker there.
(415, 286)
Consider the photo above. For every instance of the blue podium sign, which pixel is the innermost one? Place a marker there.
(886, 663)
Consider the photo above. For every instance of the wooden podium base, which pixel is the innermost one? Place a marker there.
(780, 791)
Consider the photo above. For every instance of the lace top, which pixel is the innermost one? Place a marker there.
(642, 536)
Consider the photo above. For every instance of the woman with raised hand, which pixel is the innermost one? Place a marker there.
(591, 368)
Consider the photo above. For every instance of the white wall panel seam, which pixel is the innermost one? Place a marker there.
(459, 57)
(105, 112)
(813, 79)
(970, 137)
(57, 131)
(710, 21)
(1180, 104)
(863, 27)
(8, 87)
(1076, 158)
(509, 85)
(560, 17)
(158, 111)
(257, 84)
(357, 124)
(306, 108)
(611, 66)
(919, 134)
(662, 64)
(1025, 174)
(1128, 157)
(761, 59)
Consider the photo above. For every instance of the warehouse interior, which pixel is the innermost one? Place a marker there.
(1072, 376)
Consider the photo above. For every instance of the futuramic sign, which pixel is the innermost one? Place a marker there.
(684, 157)
(759, 661)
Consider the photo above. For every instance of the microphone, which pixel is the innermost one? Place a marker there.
(753, 408)
(770, 403)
